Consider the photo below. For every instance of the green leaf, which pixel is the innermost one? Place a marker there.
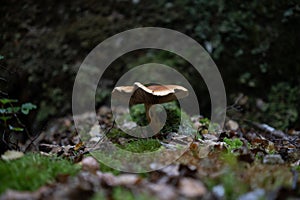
(233, 143)
(5, 101)
(5, 118)
(15, 128)
(1, 57)
(10, 110)
(26, 107)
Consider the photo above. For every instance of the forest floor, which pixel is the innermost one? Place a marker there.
(257, 162)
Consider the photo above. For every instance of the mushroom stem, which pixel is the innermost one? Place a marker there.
(147, 109)
(155, 124)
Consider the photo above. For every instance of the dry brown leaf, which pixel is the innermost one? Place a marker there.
(191, 188)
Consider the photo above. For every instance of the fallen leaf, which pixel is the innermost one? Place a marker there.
(12, 155)
(126, 179)
(191, 188)
(90, 164)
(162, 191)
(273, 159)
(78, 146)
(232, 125)
(123, 179)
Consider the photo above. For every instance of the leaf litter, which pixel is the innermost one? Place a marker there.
(244, 162)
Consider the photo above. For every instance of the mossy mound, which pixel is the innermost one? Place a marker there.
(32, 171)
(138, 115)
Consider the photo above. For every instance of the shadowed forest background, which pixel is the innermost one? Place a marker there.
(254, 44)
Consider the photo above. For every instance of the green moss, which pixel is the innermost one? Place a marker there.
(142, 145)
(297, 168)
(229, 159)
(232, 185)
(136, 145)
(138, 115)
(32, 171)
(230, 179)
(105, 168)
(120, 193)
(98, 196)
(115, 133)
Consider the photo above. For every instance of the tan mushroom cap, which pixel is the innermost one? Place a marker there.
(153, 94)
(149, 95)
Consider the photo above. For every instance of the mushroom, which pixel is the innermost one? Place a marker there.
(149, 95)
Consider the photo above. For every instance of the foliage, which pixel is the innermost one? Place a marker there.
(10, 113)
(282, 110)
(252, 42)
(32, 171)
(204, 122)
(232, 144)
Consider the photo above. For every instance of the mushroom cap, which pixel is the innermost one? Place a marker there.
(152, 94)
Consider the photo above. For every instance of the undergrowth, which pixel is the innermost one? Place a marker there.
(32, 171)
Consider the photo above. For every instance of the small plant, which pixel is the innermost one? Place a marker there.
(9, 115)
(206, 127)
(8, 111)
(204, 122)
(233, 143)
(32, 171)
(203, 129)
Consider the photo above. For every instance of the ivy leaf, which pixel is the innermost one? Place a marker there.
(5, 101)
(26, 107)
(15, 128)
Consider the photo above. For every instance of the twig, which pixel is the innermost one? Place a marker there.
(32, 142)
(3, 79)
(3, 93)
(274, 132)
(235, 106)
(101, 139)
(8, 143)
(269, 129)
(295, 179)
(3, 139)
(1, 66)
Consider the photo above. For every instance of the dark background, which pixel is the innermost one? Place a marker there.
(254, 44)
